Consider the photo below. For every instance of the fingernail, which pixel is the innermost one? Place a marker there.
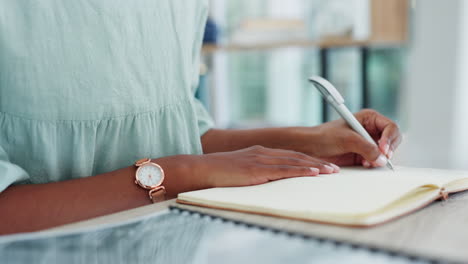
(315, 171)
(366, 164)
(329, 168)
(381, 161)
(386, 148)
(390, 154)
(337, 169)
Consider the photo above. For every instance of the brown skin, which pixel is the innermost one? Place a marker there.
(233, 158)
(334, 141)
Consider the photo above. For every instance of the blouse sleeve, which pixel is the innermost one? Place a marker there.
(205, 122)
(9, 172)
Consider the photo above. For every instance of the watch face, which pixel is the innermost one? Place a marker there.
(150, 175)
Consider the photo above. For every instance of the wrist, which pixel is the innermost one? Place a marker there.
(305, 139)
(201, 169)
(182, 173)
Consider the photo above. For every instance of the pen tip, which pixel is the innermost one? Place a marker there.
(390, 165)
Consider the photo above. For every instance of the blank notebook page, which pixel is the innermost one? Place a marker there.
(353, 191)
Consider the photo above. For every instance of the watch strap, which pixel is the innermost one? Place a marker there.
(157, 194)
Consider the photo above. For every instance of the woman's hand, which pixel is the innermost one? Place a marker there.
(336, 142)
(257, 164)
(250, 166)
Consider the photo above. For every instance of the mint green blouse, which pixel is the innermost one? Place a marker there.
(88, 87)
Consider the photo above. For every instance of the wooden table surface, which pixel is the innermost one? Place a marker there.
(438, 231)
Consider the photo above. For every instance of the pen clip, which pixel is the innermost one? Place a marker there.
(329, 92)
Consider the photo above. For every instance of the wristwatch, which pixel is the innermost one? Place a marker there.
(150, 176)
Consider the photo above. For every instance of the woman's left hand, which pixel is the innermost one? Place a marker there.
(336, 142)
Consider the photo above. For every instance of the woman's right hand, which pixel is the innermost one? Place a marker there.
(257, 165)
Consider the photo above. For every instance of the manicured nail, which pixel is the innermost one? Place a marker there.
(329, 168)
(315, 171)
(366, 164)
(337, 169)
(390, 154)
(386, 148)
(381, 161)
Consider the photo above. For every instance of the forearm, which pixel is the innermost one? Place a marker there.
(333, 141)
(38, 206)
(291, 138)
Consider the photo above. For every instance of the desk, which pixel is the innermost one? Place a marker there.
(177, 236)
(439, 231)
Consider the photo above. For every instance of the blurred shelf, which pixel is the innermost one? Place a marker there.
(328, 43)
(388, 28)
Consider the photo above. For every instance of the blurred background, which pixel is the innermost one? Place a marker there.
(405, 58)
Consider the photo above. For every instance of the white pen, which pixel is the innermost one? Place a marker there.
(333, 97)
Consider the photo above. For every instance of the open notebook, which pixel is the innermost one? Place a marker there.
(353, 197)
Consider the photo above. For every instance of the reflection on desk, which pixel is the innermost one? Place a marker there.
(181, 237)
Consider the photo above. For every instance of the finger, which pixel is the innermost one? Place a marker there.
(292, 161)
(277, 172)
(324, 166)
(381, 128)
(297, 155)
(366, 163)
(369, 151)
(389, 131)
(348, 159)
(390, 138)
(395, 144)
(384, 145)
(393, 147)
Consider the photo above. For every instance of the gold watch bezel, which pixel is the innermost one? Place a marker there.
(147, 162)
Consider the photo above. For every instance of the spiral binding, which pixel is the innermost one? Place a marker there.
(388, 252)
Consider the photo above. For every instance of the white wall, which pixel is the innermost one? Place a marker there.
(436, 96)
(460, 134)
